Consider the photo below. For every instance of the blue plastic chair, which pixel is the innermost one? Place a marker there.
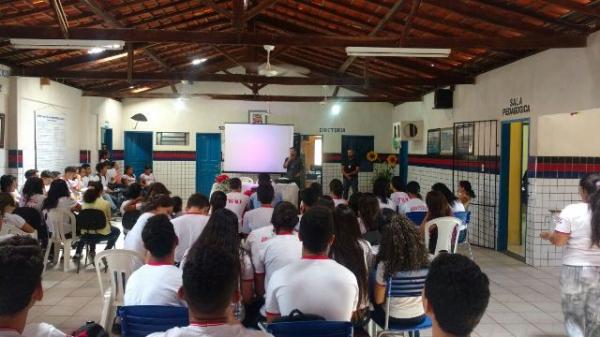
(310, 328)
(416, 217)
(463, 235)
(403, 284)
(142, 320)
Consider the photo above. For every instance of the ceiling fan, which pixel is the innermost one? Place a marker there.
(270, 70)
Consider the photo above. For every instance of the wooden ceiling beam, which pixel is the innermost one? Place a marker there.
(217, 8)
(409, 20)
(256, 10)
(576, 7)
(239, 78)
(61, 17)
(232, 38)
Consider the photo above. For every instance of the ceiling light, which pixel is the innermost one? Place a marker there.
(397, 52)
(66, 44)
(336, 109)
(138, 90)
(180, 103)
(96, 50)
(198, 61)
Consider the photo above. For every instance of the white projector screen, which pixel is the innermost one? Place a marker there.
(256, 148)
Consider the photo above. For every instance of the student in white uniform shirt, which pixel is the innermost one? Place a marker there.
(60, 197)
(147, 178)
(7, 206)
(70, 177)
(398, 196)
(264, 179)
(158, 204)
(159, 280)
(453, 201)
(190, 225)
(85, 171)
(414, 203)
(260, 217)
(218, 200)
(21, 265)
(8, 184)
(33, 194)
(381, 189)
(210, 284)
(280, 250)
(236, 200)
(47, 178)
(336, 191)
(133, 202)
(315, 284)
(128, 176)
(578, 229)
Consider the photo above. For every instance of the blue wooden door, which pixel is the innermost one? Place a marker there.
(138, 150)
(208, 160)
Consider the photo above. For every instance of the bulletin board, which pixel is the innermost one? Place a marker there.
(50, 140)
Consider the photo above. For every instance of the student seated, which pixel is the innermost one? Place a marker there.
(264, 179)
(455, 204)
(60, 197)
(113, 174)
(399, 236)
(437, 208)
(8, 184)
(159, 280)
(456, 295)
(315, 284)
(414, 203)
(33, 194)
(47, 178)
(7, 206)
(190, 225)
(260, 217)
(128, 176)
(21, 265)
(70, 176)
(158, 204)
(92, 199)
(177, 207)
(398, 196)
(278, 251)
(218, 200)
(236, 200)
(133, 199)
(369, 215)
(308, 198)
(147, 178)
(210, 284)
(336, 191)
(465, 193)
(85, 171)
(381, 189)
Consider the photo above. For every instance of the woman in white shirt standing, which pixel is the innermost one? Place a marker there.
(455, 204)
(578, 228)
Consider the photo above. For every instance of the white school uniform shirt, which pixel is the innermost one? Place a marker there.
(258, 236)
(237, 203)
(127, 180)
(13, 220)
(125, 203)
(400, 307)
(339, 201)
(318, 286)
(576, 220)
(111, 174)
(133, 240)
(34, 330)
(399, 198)
(188, 228)
(276, 253)
(457, 206)
(154, 285)
(388, 204)
(148, 178)
(36, 201)
(257, 218)
(65, 204)
(413, 205)
(211, 330)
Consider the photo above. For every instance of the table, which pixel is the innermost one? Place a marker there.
(289, 192)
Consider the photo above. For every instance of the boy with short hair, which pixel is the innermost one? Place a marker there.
(85, 171)
(158, 281)
(236, 200)
(336, 191)
(31, 173)
(398, 196)
(70, 178)
(260, 217)
(21, 266)
(315, 284)
(456, 295)
(210, 284)
(190, 225)
(47, 178)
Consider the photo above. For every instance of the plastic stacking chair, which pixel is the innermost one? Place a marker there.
(142, 320)
(120, 264)
(90, 220)
(447, 234)
(463, 234)
(403, 284)
(310, 328)
(56, 220)
(416, 217)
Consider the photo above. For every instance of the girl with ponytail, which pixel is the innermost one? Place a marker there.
(578, 228)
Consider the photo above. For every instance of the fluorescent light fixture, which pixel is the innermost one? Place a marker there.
(397, 52)
(198, 61)
(336, 109)
(96, 50)
(66, 44)
(141, 89)
(180, 103)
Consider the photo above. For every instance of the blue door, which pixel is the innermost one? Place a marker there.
(208, 160)
(138, 150)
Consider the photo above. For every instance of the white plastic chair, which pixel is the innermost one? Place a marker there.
(246, 180)
(56, 220)
(120, 264)
(446, 227)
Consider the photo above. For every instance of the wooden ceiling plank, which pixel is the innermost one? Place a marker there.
(61, 17)
(217, 8)
(409, 20)
(130, 62)
(259, 8)
(576, 7)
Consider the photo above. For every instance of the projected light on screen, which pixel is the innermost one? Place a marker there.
(257, 147)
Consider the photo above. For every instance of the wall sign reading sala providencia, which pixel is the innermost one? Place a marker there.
(516, 107)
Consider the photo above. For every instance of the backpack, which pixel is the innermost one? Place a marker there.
(90, 329)
(298, 316)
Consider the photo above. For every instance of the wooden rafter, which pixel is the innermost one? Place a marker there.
(61, 17)
(217, 8)
(409, 20)
(575, 6)
(256, 10)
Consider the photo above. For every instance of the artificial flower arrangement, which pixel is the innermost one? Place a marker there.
(383, 171)
(222, 183)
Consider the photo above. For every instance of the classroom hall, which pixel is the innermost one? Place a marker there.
(191, 94)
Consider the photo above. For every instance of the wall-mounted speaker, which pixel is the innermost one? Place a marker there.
(443, 99)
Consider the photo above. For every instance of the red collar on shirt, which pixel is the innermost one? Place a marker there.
(266, 206)
(208, 323)
(315, 257)
(194, 213)
(155, 264)
(286, 232)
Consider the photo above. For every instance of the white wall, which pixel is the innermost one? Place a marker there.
(99, 112)
(569, 134)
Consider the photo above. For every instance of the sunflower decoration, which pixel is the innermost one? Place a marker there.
(372, 156)
(392, 160)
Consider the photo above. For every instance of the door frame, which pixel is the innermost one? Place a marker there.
(197, 187)
(502, 240)
(151, 146)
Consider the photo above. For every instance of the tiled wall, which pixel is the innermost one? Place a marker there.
(365, 179)
(178, 176)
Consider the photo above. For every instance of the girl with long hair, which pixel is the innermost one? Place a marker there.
(437, 207)
(7, 218)
(578, 228)
(401, 253)
(8, 184)
(455, 204)
(33, 193)
(369, 215)
(465, 192)
(381, 189)
(59, 197)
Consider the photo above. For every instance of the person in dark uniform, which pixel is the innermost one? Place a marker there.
(294, 166)
(350, 168)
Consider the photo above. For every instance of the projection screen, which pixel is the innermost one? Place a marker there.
(255, 148)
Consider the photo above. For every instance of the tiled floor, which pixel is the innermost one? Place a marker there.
(525, 301)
